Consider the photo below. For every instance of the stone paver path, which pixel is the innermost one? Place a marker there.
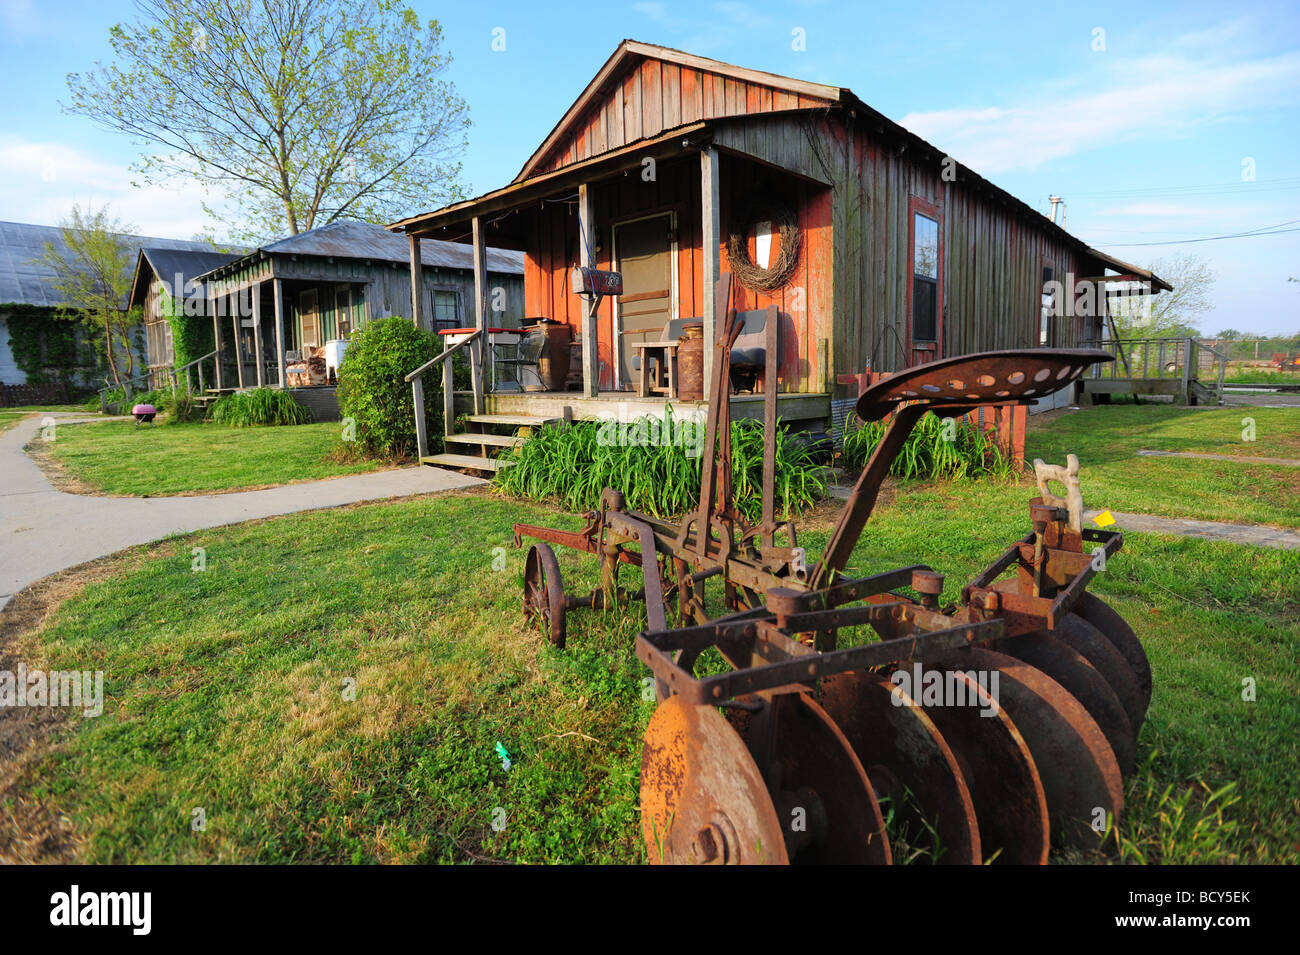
(1259, 535)
(43, 530)
(1280, 462)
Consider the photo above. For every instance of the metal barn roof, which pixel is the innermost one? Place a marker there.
(24, 281)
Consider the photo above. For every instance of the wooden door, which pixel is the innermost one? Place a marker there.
(644, 254)
(309, 319)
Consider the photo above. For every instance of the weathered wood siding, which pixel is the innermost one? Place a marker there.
(652, 96)
(553, 249)
(993, 260)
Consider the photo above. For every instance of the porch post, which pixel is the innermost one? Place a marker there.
(256, 291)
(710, 230)
(417, 282)
(590, 352)
(279, 330)
(480, 314)
(216, 331)
(234, 324)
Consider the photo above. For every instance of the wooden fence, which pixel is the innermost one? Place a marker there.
(13, 396)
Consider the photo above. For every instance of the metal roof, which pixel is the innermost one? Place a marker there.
(168, 264)
(365, 240)
(24, 281)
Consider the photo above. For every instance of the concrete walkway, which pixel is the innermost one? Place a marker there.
(43, 530)
(1280, 462)
(1258, 535)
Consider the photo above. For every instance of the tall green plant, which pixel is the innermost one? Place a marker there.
(261, 406)
(936, 448)
(573, 465)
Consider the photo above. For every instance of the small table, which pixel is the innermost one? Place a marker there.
(664, 380)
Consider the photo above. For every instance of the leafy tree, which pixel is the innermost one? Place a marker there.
(94, 278)
(1175, 314)
(1230, 335)
(300, 111)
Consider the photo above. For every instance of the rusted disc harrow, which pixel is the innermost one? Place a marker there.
(859, 722)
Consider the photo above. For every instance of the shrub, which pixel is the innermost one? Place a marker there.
(573, 465)
(182, 408)
(373, 390)
(261, 406)
(927, 453)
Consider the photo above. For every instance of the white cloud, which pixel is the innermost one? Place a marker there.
(1158, 96)
(40, 182)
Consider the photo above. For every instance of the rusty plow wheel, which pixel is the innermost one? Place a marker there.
(703, 800)
(908, 761)
(825, 802)
(544, 593)
(1080, 776)
(1005, 788)
(1116, 629)
(1110, 663)
(1080, 678)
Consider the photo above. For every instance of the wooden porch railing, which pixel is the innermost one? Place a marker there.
(189, 376)
(1181, 359)
(475, 342)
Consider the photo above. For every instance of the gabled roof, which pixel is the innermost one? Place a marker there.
(23, 281)
(580, 144)
(176, 267)
(782, 92)
(364, 240)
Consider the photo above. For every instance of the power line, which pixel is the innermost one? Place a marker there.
(1264, 230)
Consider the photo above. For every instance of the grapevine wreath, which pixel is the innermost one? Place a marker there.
(785, 223)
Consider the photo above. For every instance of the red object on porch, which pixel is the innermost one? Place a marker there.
(1008, 422)
(466, 331)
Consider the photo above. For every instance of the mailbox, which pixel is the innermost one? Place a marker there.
(596, 282)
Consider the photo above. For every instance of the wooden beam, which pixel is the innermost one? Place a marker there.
(590, 350)
(417, 282)
(257, 336)
(234, 324)
(710, 232)
(279, 330)
(216, 332)
(480, 314)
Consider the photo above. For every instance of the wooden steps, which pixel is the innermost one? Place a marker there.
(476, 448)
(464, 462)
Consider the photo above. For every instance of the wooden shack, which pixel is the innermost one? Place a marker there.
(673, 168)
(275, 309)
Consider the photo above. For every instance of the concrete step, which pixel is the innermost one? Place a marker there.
(484, 437)
(464, 461)
(513, 420)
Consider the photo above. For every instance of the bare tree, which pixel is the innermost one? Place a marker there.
(299, 111)
(1176, 314)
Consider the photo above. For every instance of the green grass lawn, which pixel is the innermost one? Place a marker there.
(1113, 476)
(117, 457)
(226, 689)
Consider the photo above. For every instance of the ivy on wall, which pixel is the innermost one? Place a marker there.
(192, 335)
(47, 348)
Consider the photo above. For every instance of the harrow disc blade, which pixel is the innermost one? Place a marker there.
(1101, 653)
(1068, 667)
(1005, 789)
(1116, 629)
(824, 799)
(1081, 778)
(905, 756)
(703, 799)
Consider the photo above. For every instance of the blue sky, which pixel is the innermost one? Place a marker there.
(1144, 138)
